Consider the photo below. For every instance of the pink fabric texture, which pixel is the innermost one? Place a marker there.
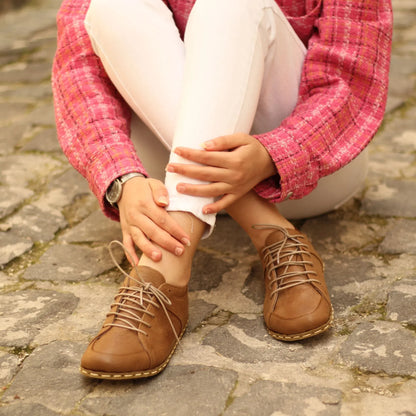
(341, 101)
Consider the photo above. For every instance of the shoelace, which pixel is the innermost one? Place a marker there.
(132, 301)
(290, 248)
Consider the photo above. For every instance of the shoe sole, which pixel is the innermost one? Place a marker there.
(306, 334)
(133, 374)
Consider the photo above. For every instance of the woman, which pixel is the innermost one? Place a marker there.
(253, 102)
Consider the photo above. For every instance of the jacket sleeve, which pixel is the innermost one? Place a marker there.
(92, 119)
(342, 97)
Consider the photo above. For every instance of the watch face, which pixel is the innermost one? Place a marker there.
(114, 192)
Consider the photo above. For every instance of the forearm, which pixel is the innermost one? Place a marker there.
(92, 119)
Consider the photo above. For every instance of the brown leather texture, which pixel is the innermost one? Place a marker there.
(297, 303)
(119, 352)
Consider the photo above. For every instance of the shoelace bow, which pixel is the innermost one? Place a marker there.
(132, 301)
(291, 249)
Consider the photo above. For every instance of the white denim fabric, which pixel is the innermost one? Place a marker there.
(237, 70)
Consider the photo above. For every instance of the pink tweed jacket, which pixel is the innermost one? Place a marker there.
(341, 101)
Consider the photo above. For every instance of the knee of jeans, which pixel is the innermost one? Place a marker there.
(99, 14)
(107, 15)
(228, 13)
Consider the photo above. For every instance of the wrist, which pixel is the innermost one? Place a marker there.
(115, 190)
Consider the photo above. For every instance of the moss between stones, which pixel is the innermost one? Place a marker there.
(22, 351)
(367, 307)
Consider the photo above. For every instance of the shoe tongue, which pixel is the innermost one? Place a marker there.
(149, 275)
(278, 235)
(274, 237)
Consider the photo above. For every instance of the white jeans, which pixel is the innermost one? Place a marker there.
(237, 70)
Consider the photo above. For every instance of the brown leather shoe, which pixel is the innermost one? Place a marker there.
(297, 303)
(142, 329)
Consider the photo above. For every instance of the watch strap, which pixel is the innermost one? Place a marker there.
(113, 193)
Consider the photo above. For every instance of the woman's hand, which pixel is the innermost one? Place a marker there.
(144, 220)
(232, 164)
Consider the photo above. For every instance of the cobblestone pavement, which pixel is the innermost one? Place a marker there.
(56, 280)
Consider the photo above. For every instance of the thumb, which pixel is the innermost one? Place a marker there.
(159, 193)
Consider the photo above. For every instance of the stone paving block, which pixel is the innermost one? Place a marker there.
(247, 340)
(43, 141)
(401, 303)
(44, 43)
(382, 402)
(229, 294)
(31, 93)
(229, 239)
(6, 59)
(400, 166)
(65, 187)
(400, 238)
(391, 198)
(393, 103)
(23, 170)
(12, 111)
(400, 85)
(40, 225)
(381, 347)
(402, 19)
(22, 24)
(254, 285)
(15, 197)
(400, 267)
(6, 280)
(333, 235)
(266, 398)
(42, 115)
(350, 278)
(32, 73)
(32, 409)
(25, 313)
(402, 65)
(10, 136)
(9, 365)
(12, 246)
(95, 228)
(397, 136)
(50, 377)
(207, 271)
(71, 263)
(199, 311)
(406, 5)
(178, 391)
(406, 141)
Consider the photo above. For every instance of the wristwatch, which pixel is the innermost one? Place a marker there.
(114, 191)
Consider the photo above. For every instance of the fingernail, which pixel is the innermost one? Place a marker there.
(177, 151)
(163, 200)
(170, 168)
(186, 242)
(180, 188)
(208, 145)
(207, 211)
(178, 251)
(155, 255)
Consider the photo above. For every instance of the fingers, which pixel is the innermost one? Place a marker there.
(202, 173)
(145, 222)
(210, 190)
(130, 249)
(226, 142)
(218, 159)
(160, 228)
(220, 204)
